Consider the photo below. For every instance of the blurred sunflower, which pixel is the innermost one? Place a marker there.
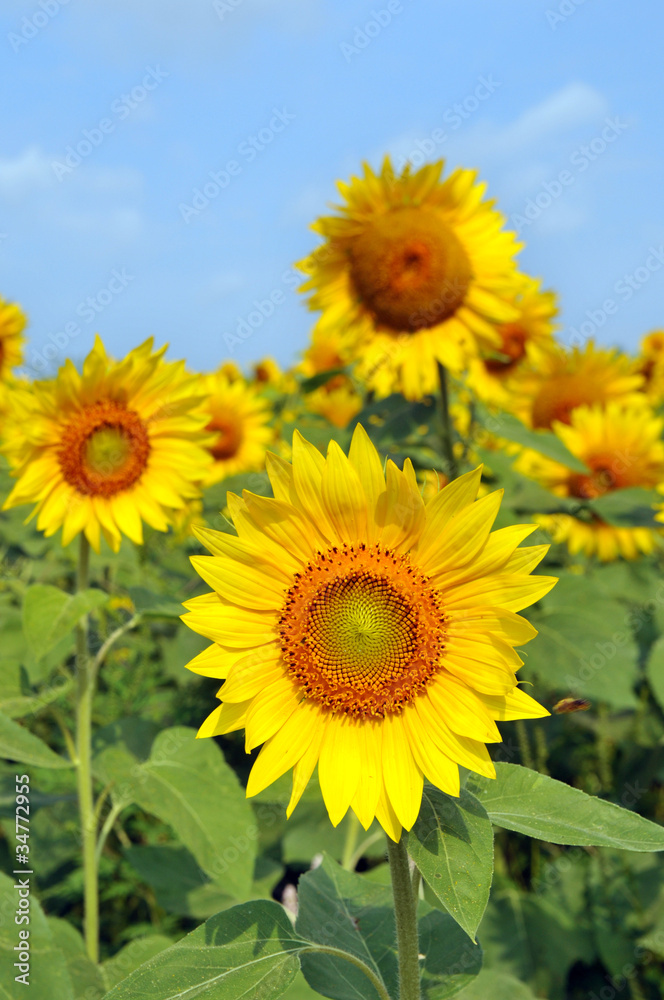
(414, 270)
(621, 445)
(102, 451)
(267, 372)
(364, 631)
(556, 381)
(338, 399)
(239, 418)
(491, 375)
(12, 325)
(650, 364)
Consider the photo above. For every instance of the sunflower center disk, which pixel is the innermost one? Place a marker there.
(104, 449)
(362, 631)
(230, 437)
(409, 268)
(603, 478)
(512, 349)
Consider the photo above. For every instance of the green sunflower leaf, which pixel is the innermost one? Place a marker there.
(132, 956)
(249, 951)
(585, 645)
(187, 783)
(339, 909)
(629, 508)
(18, 743)
(528, 802)
(498, 986)
(50, 614)
(451, 961)
(151, 605)
(86, 977)
(452, 845)
(344, 910)
(48, 976)
(546, 443)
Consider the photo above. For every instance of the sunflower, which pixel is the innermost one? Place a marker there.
(414, 270)
(650, 365)
(364, 631)
(267, 372)
(556, 381)
(104, 450)
(491, 375)
(12, 325)
(239, 417)
(338, 399)
(620, 443)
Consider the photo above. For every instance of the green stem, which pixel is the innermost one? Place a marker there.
(447, 437)
(376, 982)
(85, 688)
(524, 745)
(405, 913)
(352, 832)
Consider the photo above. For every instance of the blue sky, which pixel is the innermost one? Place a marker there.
(557, 103)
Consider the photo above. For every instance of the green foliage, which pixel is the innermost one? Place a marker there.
(49, 615)
(561, 917)
(531, 803)
(452, 845)
(19, 744)
(187, 784)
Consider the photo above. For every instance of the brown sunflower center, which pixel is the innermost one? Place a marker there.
(605, 475)
(512, 348)
(409, 268)
(558, 396)
(362, 631)
(230, 436)
(104, 449)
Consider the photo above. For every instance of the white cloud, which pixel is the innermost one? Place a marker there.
(566, 109)
(23, 173)
(32, 171)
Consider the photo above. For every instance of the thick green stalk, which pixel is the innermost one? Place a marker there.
(405, 913)
(447, 437)
(85, 689)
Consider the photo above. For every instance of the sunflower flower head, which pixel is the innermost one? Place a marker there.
(492, 375)
(12, 324)
(104, 450)
(620, 444)
(239, 418)
(557, 381)
(650, 364)
(363, 631)
(413, 270)
(338, 399)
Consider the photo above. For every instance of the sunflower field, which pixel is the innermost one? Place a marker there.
(408, 595)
